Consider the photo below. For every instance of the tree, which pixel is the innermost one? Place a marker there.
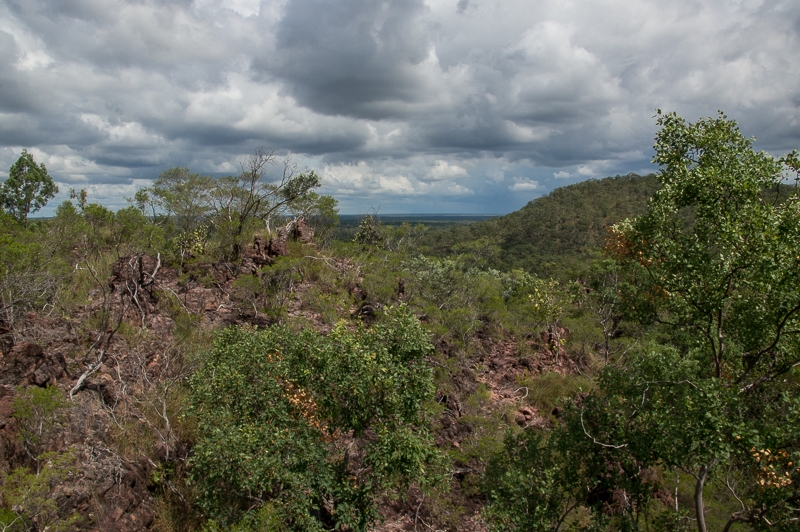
(601, 294)
(311, 428)
(28, 188)
(183, 197)
(31, 275)
(715, 263)
(39, 413)
(714, 268)
(28, 499)
(230, 206)
(237, 201)
(31, 497)
(319, 211)
(530, 485)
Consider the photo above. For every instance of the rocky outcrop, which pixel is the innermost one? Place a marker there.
(26, 364)
(259, 253)
(263, 252)
(302, 232)
(276, 247)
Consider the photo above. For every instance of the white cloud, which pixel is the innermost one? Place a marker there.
(443, 170)
(525, 185)
(425, 101)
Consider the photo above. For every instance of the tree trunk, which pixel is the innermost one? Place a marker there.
(699, 507)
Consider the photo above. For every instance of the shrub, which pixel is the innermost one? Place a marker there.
(313, 427)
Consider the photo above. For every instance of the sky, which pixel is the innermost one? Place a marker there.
(403, 106)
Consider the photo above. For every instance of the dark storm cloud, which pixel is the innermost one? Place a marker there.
(354, 58)
(472, 105)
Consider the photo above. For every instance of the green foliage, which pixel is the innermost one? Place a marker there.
(715, 264)
(315, 427)
(547, 389)
(319, 211)
(200, 214)
(239, 204)
(482, 253)
(658, 412)
(372, 232)
(267, 518)
(133, 233)
(602, 294)
(178, 197)
(712, 267)
(29, 498)
(30, 503)
(596, 459)
(454, 300)
(552, 236)
(28, 188)
(369, 232)
(528, 485)
(547, 302)
(90, 230)
(40, 415)
(269, 291)
(713, 257)
(30, 276)
(437, 281)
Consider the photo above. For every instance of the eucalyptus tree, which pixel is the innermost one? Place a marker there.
(230, 206)
(714, 268)
(238, 202)
(28, 188)
(716, 265)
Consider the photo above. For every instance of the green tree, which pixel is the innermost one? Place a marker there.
(319, 211)
(715, 263)
(602, 294)
(239, 202)
(370, 231)
(31, 276)
(30, 496)
(312, 428)
(530, 485)
(715, 259)
(28, 499)
(28, 188)
(713, 268)
(40, 415)
(181, 196)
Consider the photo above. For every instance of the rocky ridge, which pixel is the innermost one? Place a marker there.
(116, 358)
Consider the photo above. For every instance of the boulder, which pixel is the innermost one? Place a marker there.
(302, 231)
(276, 247)
(258, 252)
(27, 363)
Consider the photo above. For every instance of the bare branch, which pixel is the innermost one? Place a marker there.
(597, 442)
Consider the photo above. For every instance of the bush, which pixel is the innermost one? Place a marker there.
(29, 496)
(39, 412)
(313, 427)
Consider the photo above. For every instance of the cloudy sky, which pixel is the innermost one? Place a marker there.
(471, 106)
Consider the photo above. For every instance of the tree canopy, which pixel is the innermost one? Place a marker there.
(713, 267)
(232, 206)
(28, 188)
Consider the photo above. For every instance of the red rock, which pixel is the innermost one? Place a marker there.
(276, 247)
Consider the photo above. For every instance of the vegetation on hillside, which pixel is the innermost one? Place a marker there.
(619, 355)
(553, 234)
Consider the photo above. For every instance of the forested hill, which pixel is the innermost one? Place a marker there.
(565, 227)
